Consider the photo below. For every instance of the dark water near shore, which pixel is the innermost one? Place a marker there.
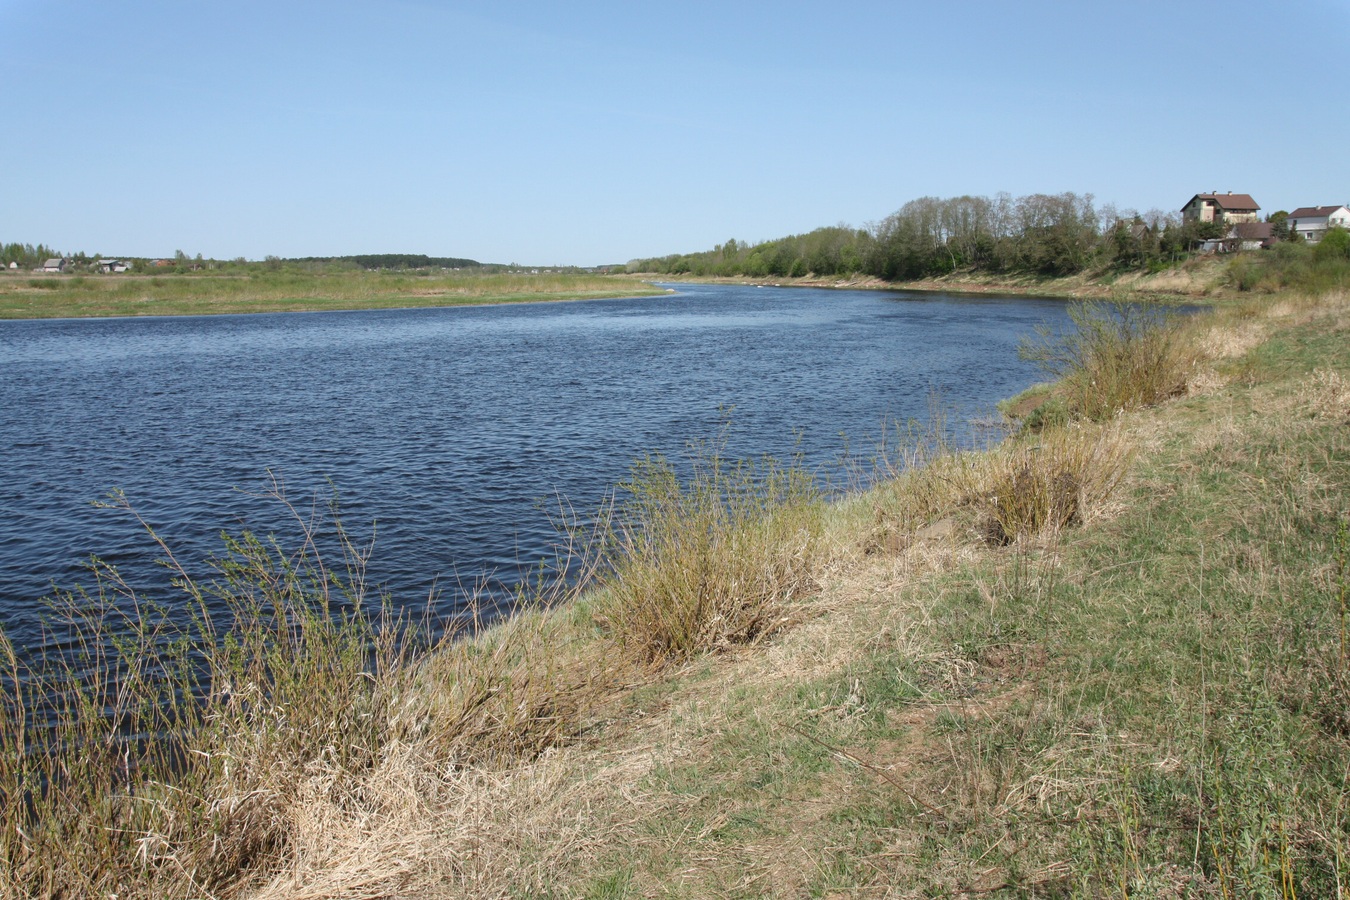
(450, 429)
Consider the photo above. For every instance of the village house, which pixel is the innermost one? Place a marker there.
(1251, 236)
(54, 266)
(1226, 209)
(108, 266)
(1312, 222)
(1242, 236)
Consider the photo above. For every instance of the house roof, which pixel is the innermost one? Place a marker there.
(1253, 231)
(1313, 212)
(1227, 201)
(53, 263)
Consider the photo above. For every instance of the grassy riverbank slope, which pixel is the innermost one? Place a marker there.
(1193, 279)
(1105, 658)
(208, 293)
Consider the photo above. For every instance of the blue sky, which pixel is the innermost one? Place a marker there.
(588, 133)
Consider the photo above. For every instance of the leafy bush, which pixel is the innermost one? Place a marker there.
(1314, 268)
(1334, 247)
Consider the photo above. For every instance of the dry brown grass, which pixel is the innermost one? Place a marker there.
(1027, 489)
(715, 560)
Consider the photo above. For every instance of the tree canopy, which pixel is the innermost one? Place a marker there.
(1043, 234)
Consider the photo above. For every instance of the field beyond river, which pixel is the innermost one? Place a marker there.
(39, 296)
(1105, 657)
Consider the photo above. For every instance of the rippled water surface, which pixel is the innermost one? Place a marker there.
(448, 427)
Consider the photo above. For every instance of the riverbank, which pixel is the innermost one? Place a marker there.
(1106, 657)
(1147, 697)
(1194, 279)
(205, 293)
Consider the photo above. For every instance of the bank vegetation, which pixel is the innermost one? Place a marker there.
(1037, 237)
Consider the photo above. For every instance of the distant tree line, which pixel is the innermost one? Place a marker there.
(1041, 234)
(27, 256)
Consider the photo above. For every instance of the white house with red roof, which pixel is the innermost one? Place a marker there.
(1312, 222)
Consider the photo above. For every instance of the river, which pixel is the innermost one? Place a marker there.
(451, 432)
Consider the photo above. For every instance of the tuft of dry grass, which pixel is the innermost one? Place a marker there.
(1118, 356)
(717, 558)
(156, 754)
(1030, 488)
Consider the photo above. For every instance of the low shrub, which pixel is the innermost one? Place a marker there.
(1314, 268)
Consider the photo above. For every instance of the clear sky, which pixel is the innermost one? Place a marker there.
(587, 133)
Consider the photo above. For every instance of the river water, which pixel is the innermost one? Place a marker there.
(450, 432)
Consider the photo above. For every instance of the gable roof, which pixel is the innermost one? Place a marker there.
(1227, 201)
(1313, 212)
(1254, 231)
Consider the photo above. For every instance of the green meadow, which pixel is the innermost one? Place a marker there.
(35, 296)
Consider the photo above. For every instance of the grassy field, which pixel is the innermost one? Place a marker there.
(1109, 657)
(206, 293)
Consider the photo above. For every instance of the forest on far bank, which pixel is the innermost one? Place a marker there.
(1042, 234)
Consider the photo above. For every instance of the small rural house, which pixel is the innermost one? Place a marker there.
(13, 265)
(1312, 222)
(1252, 235)
(54, 265)
(1226, 209)
(113, 265)
(1242, 236)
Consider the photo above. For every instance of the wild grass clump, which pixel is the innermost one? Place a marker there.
(1030, 488)
(192, 751)
(518, 689)
(1117, 356)
(153, 755)
(714, 560)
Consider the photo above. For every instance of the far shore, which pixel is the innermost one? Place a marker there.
(1187, 283)
(121, 296)
(33, 296)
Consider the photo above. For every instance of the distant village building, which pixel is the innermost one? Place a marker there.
(113, 265)
(54, 266)
(1312, 222)
(13, 265)
(1226, 209)
(1242, 236)
(1252, 236)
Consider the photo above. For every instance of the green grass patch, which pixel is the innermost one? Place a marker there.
(207, 293)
